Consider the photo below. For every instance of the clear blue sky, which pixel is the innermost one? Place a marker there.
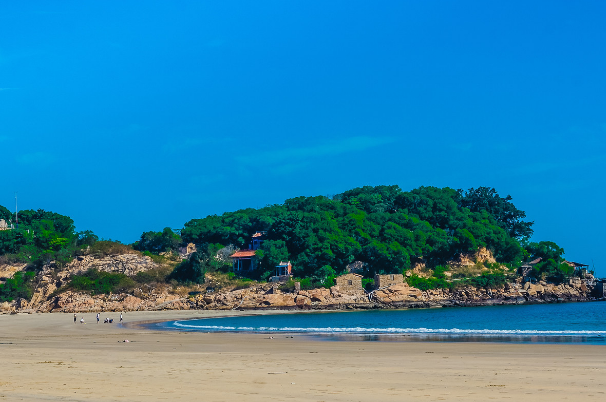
(133, 116)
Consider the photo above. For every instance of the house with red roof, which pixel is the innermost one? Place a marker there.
(246, 260)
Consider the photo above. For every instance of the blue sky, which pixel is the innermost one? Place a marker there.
(133, 116)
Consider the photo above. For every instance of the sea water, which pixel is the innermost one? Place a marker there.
(569, 322)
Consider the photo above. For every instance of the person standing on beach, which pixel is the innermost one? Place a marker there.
(97, 318)
(75, 318)
(120, 317)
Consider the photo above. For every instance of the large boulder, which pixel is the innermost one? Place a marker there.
(400, 292)
(277, 300)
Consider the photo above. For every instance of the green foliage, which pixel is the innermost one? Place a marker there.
(156, 275)
(500, 208)
(328, 282)
(307, 284)
(287, 287)
(271, 253)
(428, 283)
(546, 250)
(368, 284)
(97, 282)
(552, 271)
(158, 242)
(42, 236)
(384, 227)
(191, 270)
(19, 286)
(489, 280)
(104, 248)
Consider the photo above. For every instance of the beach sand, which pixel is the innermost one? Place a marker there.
(48, 357)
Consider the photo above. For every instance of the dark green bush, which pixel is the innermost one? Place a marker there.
(368, 284)
(488, 280)
(97, 282)
(20, 285)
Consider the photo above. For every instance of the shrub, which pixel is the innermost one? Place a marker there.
(20, 285)
(428, 283)
(156, 275)
(190, 271)
(97, 282)
(108, 247)
(307, 284)
(329, 282)
(287, 286)
(368, 283)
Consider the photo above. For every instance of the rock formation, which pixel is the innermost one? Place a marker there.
(48, 298)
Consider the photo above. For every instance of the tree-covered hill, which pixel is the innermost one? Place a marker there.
(382, 228)
(386, 228)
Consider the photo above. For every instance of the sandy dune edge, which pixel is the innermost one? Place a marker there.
(48, 357)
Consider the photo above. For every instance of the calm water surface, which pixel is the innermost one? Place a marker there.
(570, 322)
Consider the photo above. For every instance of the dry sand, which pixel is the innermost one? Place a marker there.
(48, 357)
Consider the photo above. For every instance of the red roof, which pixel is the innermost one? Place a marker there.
(243, 253)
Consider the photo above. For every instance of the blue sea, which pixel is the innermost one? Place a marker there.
(540, 323)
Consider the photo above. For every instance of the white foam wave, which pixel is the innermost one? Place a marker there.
(362, 330)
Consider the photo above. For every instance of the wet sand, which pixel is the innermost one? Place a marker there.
(48, 357)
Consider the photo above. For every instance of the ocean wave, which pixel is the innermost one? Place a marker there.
(362, 330)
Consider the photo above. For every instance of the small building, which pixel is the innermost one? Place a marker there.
(350, 284)
(257, 239)
(580, 270)
(4, 225)
(527, 267)
(383, 281)
(244, 260)
(283, 272)
(600, 289)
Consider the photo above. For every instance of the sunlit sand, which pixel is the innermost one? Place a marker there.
(48, 357)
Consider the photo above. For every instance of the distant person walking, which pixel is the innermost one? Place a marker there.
(97, 318)
(75, 318)
(82, 320)
(120, 317)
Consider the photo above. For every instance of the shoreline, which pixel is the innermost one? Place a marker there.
(356, 331)
(48, 357)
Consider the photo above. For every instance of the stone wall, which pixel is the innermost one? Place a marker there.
(382, 281)
(349, 284)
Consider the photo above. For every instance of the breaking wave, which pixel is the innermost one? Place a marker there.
(361, 330)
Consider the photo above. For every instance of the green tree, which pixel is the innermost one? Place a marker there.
(158, 242)
(271, 253)
(191, 270)
(501, 208)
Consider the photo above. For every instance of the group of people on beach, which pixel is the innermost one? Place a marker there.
(107, 320)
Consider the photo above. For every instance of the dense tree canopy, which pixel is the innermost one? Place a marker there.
(158, 242)
(386, 228)
(41, 236)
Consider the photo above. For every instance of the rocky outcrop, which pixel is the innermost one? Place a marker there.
(397, 294)
(8, 270)
(50, 279)
(127, 264)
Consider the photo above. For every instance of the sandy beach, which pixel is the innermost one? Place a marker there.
(48, 357)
